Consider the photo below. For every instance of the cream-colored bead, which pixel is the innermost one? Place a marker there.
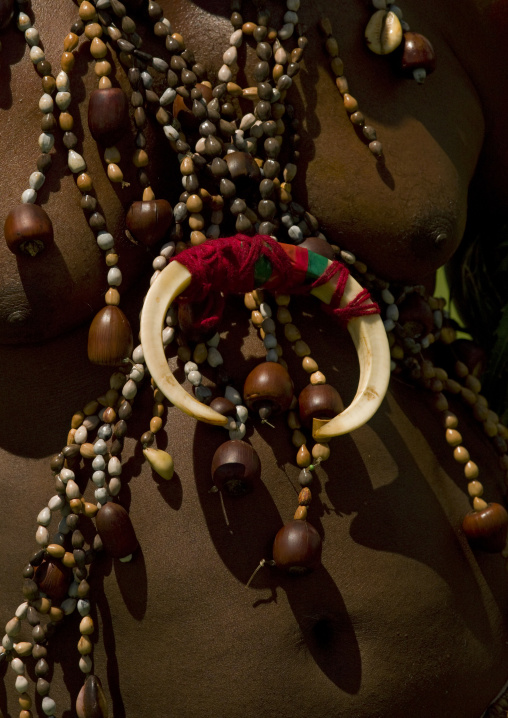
(471, 470)
(450, 420)
(86, 627)
(85, 645)
(475, 488)
(321, 452)
(105, 83)
(98, 49)
(317, 378)
(102, 68)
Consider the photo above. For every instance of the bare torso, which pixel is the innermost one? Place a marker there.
(402, 616)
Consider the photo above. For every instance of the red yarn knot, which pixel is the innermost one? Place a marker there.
(362, 305)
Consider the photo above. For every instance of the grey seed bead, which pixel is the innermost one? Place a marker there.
(99, 478)
(233, 395)
(242, 413)
(105, 240)
(41, 667)
(48, 705)
(129, 390)
(247, 121)
(203, 393)
(392, 312)
(46, 103)
(214, 341)
(42, 536)
(171, 132)
(105, 432)
(81, 435)
(72, 490)
(295, 232)
(76, 162)
(168, 334)
(29, 196)
(37, 54)
(230, 56)
(159, 64)
(271, 355)
(7, 642)
(291, 17)
(84, 606)
(101, 495)
(18, 666)
(369, 133)
(225, 74)
(114, 466)
(63, 527)
(147, 80)
(91, 422)
(286, 31)
(22, 610)
(32, 36)
(44, 517)
(265, 310)
(236, 38)
(214, 357)
(180, 211)
(348, 257)
(62, 82)
(137, 373)
(138, 355)
(43, 687)
(66, 474)
(387, 296)
(389, 324)
(270, 341)
(70, 140)
(85, 664)
(167, 97)
(55, 503)
(63, 100)
(195, 378)
(213, 231)
(114, 277)
(293, 5)
(100, 447)
(264, 50)
(23, 22)
(238, 433)
(21, 684)
(305, 477)
(190, 366)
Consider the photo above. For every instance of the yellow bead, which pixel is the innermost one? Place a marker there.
(105, 83)
(461, 454)
(453, 437)
(111, 259)
(67, 61)
(92, 30)
(283, 300)
(450, 420)
(309, 365)
(87, 11)
(301, 348)
(148, 194)
(115, 174)
(196, 221)
(102, 67)
(284, 315)
(321, 452)
(98, 49)
(197, 237)
(86, 627)
(317, 378)
(155, 424)
(479, 504)
(84, 182)
(200, 353)
(194, 203)
(471, 470)
(140, 158)
(303, 457)
(85, 645)
(256, 318)
(112, 297)
(56, 614)
(474, 488)
(66, 121)
(77, 419)
(292, 333)
(71, 42)
(55, 550)
(490, 428)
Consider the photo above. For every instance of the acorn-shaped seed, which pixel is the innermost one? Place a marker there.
(297, 547)
(319, 401)
(110, 337)
(416, 316)
(53, 578)
(487, 529)
(160, 461)
(91, 701)
(242, 165)
(108, 115)
(149, 221)
(417, 54)
(116, 531)
(28, 230)
(268, 384)
(235, 467)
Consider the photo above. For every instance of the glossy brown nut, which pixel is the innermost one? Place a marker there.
(116, 531)
(149, 221)
(235, 467)
(319, 401)
(297, 547)
(108, 115)
(415, 316)
(487, 529)
(91, 701)
(53, 578)
(223, 406)
(268, 383)
(110, 337)
(318, 246)
(242, 164)
(417, 52)
(28, 229)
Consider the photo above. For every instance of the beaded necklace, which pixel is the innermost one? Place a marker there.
(206, 128)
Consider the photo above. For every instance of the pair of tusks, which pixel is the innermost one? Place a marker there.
(367, 332)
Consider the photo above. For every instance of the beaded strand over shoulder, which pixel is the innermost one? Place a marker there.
(233, 183)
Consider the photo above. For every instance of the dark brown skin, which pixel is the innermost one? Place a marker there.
(402, 618)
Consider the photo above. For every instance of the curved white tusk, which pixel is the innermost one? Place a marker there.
(171, 282)
(369, 337)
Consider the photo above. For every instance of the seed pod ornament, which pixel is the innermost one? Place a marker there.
(235, 467)
(91, 701)
(28, 230)
(116, 531)
(417, 56)
(110, 338)
(487, 529)
(297, 547)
